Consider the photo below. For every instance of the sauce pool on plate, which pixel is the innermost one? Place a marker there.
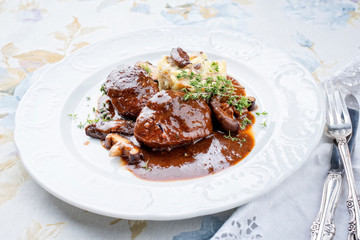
(210, 155)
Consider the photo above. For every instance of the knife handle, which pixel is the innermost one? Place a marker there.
(323, 228)
(352, 201)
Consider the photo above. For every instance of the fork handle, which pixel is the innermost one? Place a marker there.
(323, 228)
(352, 201)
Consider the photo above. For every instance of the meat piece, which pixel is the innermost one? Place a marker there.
(123, 147)
(224, 114)
(103, 128)
(150, 69)
(168, 121)
(239, 90)
(180, 57)
(129, 89)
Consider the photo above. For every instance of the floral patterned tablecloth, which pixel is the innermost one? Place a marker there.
(322, 35)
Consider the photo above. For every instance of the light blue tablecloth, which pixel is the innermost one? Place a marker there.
(322, 35)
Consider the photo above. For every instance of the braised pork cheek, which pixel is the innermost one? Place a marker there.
(180, 119)
(168, 121)
(129, 89)
(224, 114)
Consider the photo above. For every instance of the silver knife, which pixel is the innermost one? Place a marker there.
(324, 226)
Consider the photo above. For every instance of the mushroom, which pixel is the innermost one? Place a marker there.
(102, 128)
(197, 66)
(224, 114)
(252, 103)
(180, 57)
(120, 146)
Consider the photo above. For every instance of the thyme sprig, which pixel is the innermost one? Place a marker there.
(73, 116)
(102, 89)
(182, 74)
(146, 68)
(245, 121)
(206, 88)
(261, 113)
(146, 167)
(231, 137)
(215, 66)
(263, 124)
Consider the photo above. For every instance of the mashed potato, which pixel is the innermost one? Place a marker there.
(170, 76)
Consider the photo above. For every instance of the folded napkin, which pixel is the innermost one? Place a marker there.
(288, 211)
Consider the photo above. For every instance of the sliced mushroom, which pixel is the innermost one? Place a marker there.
(224, 114)
(180, 57)
(120, 146)
(197, 66)
(103, 128)
(252, 104)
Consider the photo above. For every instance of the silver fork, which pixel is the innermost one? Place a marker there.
(338, 125)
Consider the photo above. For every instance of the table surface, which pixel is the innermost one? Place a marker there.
(322, 35)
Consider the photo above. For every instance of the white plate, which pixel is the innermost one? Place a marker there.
(53, 152)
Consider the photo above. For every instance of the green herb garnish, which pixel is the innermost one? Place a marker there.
(262, 113)
(102, 89)
(73, 116)
(88, 98)
(215, 66)
(182, 74)
(245, 121)
(81, 125)
(146, 68)
(239, 102)
(263, 124)
(205, 88)
(230, 137)
(146, 166)
(191, 75)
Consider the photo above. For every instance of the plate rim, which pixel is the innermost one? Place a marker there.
(149, 216)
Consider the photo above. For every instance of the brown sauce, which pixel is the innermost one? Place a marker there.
(138, 93)
(207, 156)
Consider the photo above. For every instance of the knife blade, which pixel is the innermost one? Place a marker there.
(324, 227)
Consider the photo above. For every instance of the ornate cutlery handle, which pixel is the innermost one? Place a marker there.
(353, 235)
(352, 202)
(323, 228)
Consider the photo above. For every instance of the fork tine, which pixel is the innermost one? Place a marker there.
(342, 113)
(345, 113)
(338, 121)
(336, 94)
(329, 105)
